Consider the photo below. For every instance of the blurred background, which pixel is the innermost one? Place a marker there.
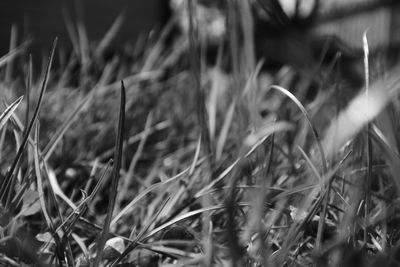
(42, 20)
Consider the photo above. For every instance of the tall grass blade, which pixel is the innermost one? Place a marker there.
(367, 197)
(115, 177)
(8, 181)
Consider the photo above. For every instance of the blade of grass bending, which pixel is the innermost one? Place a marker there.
(305, 113)
(5, 116)
(114, 181)
(8, 180)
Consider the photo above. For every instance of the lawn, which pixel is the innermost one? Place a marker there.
(182, 151)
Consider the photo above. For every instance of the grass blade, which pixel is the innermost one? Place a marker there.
(13, 44)
(114, 181)
(367, 196)
(196, 77)
(305, 113)
(127, 181)
(9, 111)
(73, 35)
(28, 90)
(12, 54)
(224, 131)
(40, 188)
(110, 35)
(8, 181)
(310, 165)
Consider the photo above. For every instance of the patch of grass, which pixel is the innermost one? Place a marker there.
(213, 165)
